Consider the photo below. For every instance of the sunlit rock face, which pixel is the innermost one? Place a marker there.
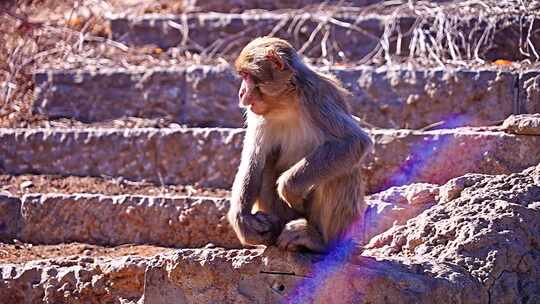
(397, 205)
(486, 226)
(526, 124)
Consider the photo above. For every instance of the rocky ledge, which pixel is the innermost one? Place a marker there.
(479, 243)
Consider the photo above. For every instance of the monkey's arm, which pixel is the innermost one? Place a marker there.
(338, 155)
(250, 228)
(247, 182)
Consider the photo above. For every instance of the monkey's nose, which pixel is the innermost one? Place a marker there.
(245, 99)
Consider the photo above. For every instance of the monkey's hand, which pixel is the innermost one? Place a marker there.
(290, 191)
(255, 229)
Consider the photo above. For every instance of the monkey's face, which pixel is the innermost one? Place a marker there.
(263, 91)
(266, 80)
(250, 94)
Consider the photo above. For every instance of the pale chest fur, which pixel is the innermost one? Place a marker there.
(294, 139)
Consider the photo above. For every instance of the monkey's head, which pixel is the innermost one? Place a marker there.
(266, 70)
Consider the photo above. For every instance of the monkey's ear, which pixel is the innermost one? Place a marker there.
(273, 57)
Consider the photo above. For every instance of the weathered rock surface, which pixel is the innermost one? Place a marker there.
(115, 220)
(216, 275)
(181, 222)
(480, 243)
(198, 95)
(390, 97)
(523, 124)
(278, 277)
(529, 91)
(225, 34)
(73, 280)
(10, 209)
(385, 97)
(488, 226)
(397, 205)
(210, 157)
(233, 276)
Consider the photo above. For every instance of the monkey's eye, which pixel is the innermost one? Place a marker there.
(255, 79)
(246, 75)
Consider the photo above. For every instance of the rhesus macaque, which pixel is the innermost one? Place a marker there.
(298, 184)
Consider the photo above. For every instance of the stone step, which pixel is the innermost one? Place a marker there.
(223, 276)
(209, 157)
(348, 35)
(384, 97)
(225, 34)
(186, 222)
(170, 221)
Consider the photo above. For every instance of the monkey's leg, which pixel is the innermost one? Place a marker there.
(299, 234)
(331, 160)
(270, 204)
(338, 209)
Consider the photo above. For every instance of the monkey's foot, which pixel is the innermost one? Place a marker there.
(298, 235)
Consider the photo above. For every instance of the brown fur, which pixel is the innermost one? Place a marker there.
(299, 169)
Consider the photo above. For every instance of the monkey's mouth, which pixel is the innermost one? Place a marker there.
(255, 110)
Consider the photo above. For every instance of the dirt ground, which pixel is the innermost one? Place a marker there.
(22, 252)
(24, 184)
